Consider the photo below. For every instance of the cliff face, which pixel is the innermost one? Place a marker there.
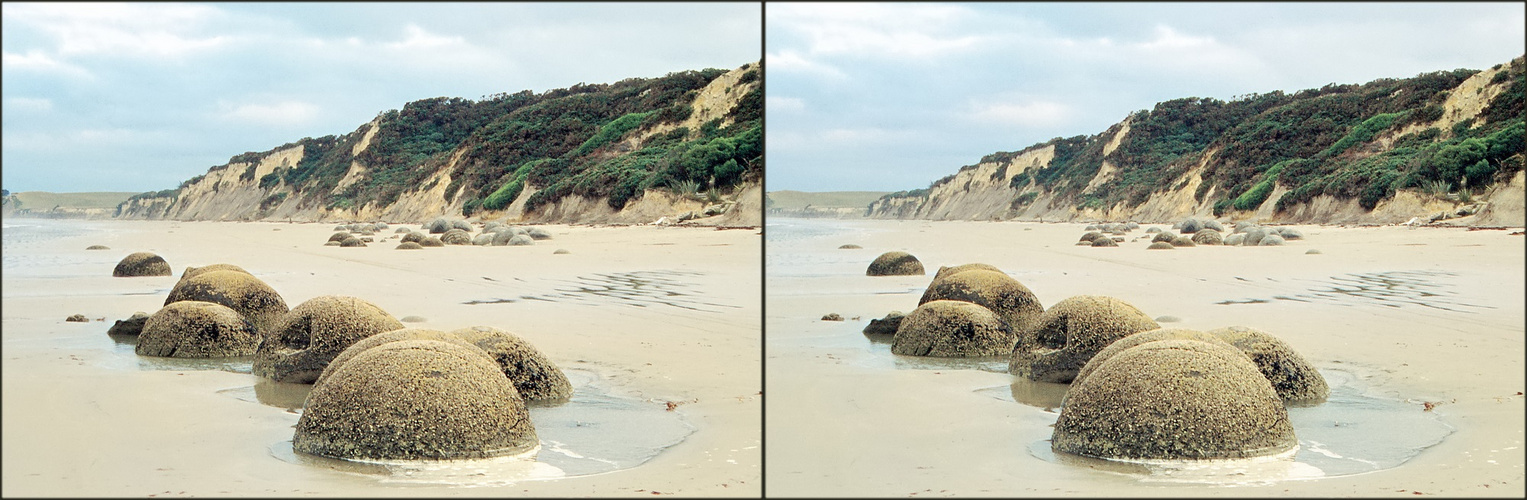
(1395, 149)
(615, 153)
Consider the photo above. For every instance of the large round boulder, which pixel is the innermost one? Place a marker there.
(1163, 236)
(946, 271)
(1173, 399)
(1183, 241)
(415, 400)
(1235, 239)
(1160, 245)
(431, 241)
(951, 328)
(192, 272)
(994, 290)
(456, 237)
(534, 375)
(1294, 378)
(895, 264)
(538, 233)
(439, 225)
(313, 333)
(414, 237)
(195, 329)
(242, 292)
(1208, 236)
(142, 264)
(1135, 339)
(1068, 334)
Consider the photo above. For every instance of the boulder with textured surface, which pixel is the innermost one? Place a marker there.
(1135, 339)
(141, 264)
(994, 290)
(309, 337)
(242, 292)
(1068, 334)
(195, 329)
(1293, 377)
(534, 375)
(950, 328)
(133, 325)
(413, 400)
(1173, 399)
(886, 325)
(895, 264)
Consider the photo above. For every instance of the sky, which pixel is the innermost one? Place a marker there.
(139, 97)
(889, 97)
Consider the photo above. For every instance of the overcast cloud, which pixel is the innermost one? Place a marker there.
(139, 97)
(889, 97)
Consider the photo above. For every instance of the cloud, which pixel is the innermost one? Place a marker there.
(1026, 113)
(284, 113)
(793, 62)
(42, 63)
(877, 30)
(417, 38)
(784, 104)
(34, 104)
(120, 29)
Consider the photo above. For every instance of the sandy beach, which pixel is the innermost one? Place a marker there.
(658, 327)
(1394, 317)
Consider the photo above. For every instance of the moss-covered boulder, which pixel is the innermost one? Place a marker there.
(951, 328)
(1104, 241)
(142, 264)
(192, 272)
(534, 375)
(195, 329)
(1173, 399)
(1163, 237)
(895, 264)
(412, 400)
(1160, 245)
(242, 292)
(1293, 377)
(309, 337)
(1090, 236)
(1135, 339)
(352, 242)
(1069, 333)
(1183, 241)
(411, 245)
(340, 236)
(432, 242)
(1208, 236)
(133, 325)
(994, 290)
(414, 237)
(886, 325)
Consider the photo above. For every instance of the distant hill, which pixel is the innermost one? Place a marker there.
(45, 204)
(1436, 146)
(789, 200)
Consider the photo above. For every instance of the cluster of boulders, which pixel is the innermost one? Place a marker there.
(1137, 390)
(450, 232)
(382, 391)
(1190, 232)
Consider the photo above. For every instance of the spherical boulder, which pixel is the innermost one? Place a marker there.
(1153, 230)
(313, 333)
(98, 247)
(192, 272)
(501, 238)
(994, 290)
(895, 264)
(849, 246)
(482, 239)
(352, 242)
(456, 237)
(1255, 234)
(538, 233)
(437, 226)
(1235, 239)
(414, 237)
(409, 245)
(1070, 332)
(413, 400)
(520, 240)
(462, 225)
(1190, 226)
(1091, 236)
(339, 236)
(1160, 245)
(1173, 399)
(946, 271)
(195, 329)
(242, 292)
(432, 241)
(142, 264)
(1271, 240)
(1183, 241)
(1290, 234)
(1135, 339)
(534, 375)
(1208, 236)
(403, 230)
(1164, 237)
(950, 328)
(1294, 378)
(1104, 241)
(131, 326)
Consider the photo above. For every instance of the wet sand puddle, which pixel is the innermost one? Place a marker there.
(639, 289)
(1390, 289)
(598, 430)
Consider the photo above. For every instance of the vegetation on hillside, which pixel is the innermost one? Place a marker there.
(1337, 140)
(578, 140)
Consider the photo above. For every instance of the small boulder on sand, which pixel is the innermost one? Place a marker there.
(895, 264)
(886, 325)
(133, 325)
(142, 264)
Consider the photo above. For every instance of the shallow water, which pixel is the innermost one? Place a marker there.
(637, 288)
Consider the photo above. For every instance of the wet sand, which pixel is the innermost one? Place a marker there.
(645, 315)
(1392, 315)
